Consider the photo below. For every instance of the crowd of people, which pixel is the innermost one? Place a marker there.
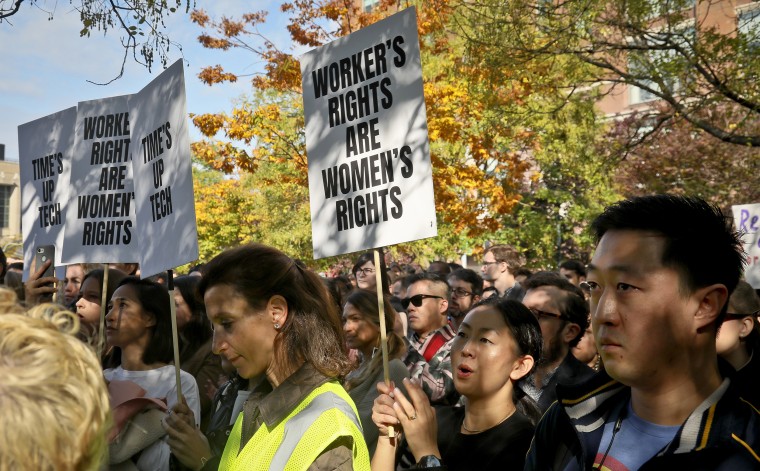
(642, 358)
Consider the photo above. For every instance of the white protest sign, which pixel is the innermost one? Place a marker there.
(747, 221)
(163, 174)
(370, 177)
(45, 146)
(100, 217)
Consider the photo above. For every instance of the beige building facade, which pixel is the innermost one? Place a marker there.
(10, 207)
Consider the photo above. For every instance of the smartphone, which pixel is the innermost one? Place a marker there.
(42, 254)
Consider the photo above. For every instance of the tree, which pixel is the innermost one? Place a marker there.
(680, 52)
(140, 23)
(681, 160)
(476, 156)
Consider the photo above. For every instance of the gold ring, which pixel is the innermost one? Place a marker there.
(414, 417)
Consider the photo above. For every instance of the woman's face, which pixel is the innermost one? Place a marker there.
(127, 323)
(484, 354)
(183, 310)
(72, 283)
(361, 333)
(88, 305)
(365, 276)
(242, 335)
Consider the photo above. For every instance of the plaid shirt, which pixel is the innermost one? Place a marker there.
(435, 375)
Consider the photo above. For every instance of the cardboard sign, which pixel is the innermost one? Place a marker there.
(100, 217)
(747, 221)
(370, 177)
(46, 146)
(163, 174)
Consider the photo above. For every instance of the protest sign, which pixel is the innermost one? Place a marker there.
(163, 174)
(370, 177)
(747, 221)
(45, 151)
(100, 217)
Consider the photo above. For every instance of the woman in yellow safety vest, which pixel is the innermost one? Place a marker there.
(274, 319)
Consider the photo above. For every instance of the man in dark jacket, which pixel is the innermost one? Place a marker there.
(660, 279)
(562, 314)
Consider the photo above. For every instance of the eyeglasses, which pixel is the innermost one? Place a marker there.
(364, 271)
(460, 293)
(735, 315)
(484, 263)
(417, 299)
(543, 314)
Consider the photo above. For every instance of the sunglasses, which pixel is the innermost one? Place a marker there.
(543, 314)
(735, 315)
(417, 299)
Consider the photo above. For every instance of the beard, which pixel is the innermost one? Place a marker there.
(553, 349)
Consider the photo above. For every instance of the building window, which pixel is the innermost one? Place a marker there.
(748, 26)
(5, 205)
(369, 5)
(660, 58)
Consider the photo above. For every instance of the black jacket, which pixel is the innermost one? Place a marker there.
(723, 437)
(570, 372)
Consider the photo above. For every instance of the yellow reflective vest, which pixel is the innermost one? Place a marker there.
(294, 443)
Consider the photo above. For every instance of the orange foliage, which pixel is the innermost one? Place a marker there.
(477, 161)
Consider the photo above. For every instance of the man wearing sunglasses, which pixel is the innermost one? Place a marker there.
(429, 353)
(660, 278)
(465, 286)
(562, 314)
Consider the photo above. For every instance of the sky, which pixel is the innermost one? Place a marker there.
(45, 64)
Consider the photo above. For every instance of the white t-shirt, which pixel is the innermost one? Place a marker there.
(160, 384)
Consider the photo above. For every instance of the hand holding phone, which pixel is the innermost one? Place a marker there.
(41, 284)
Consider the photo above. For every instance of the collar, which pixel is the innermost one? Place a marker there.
(285, 397)
(447, 331)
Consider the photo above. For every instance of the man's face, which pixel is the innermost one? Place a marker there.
(490, 269)
(430, 315)
(572, 276)
(397, 289)
(462, 297)
(552, 327)
(642, 324)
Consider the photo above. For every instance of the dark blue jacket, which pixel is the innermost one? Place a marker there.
(725, 436)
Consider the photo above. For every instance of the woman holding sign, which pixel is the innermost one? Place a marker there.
(361, 324)
(497, 345)
(273, 318)
(138, 326)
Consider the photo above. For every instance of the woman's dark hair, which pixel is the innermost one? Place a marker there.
(115, 277)
(110, 358)
(526, 331)
(197, 331)
(312, 331)
(338, 287)
(154, 299)
(370, 257)
(365, 301)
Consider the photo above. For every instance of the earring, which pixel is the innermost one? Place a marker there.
(277, 327)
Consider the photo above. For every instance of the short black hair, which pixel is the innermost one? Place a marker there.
(571, 304)
(439, 267)
(574, 265)
(430, 277)
(468, 276)
(700, 241)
